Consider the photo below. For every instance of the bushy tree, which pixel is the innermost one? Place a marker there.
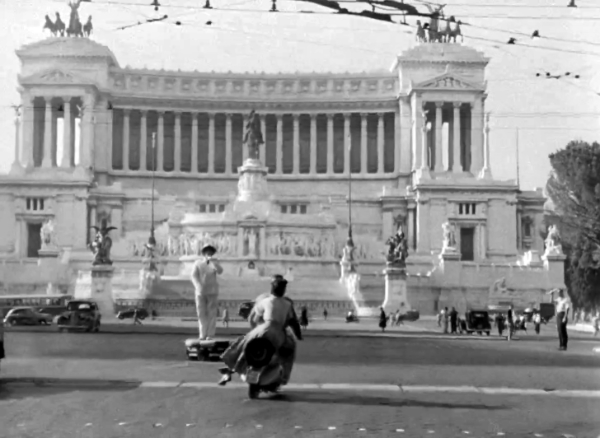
(574, 188)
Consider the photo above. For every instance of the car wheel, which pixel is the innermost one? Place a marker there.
(97, 328)
(487, 333)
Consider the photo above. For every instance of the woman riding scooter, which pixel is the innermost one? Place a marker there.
(270, 318)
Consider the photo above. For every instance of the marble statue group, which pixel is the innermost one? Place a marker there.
(102, 244)
(75, 27)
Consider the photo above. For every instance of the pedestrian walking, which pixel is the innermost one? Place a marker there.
(596, 323)
(325, 314)
(440, 316)
(226, 317)
(304, 318)
(382, 320)
(499, 322)
(537, 322)
(445, 317)
(510, 318)
(453, 320)
(562, 311)
(136, 318)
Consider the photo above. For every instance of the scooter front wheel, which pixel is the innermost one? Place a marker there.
(253, 391)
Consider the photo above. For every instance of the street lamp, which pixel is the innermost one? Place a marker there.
(151, 245)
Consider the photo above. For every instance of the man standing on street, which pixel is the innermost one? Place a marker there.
(510, 317)
(204, 278)
(562, 311)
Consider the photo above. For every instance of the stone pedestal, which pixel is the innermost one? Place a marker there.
(96, 285)
(450, 259)
(554, 264)
(396, 295)
(48, 252)
(253, 194)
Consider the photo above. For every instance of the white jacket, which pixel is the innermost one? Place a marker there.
(204, 276)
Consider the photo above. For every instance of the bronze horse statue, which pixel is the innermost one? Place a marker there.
(75, 28)
(55, 28)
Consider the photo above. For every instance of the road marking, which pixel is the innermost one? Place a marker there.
(159, 384)
(417, 389)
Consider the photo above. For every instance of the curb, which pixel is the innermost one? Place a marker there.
(409, 389)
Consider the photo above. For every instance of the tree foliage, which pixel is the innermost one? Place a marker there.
(574, 188)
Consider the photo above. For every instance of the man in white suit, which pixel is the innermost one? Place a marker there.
(204, 277)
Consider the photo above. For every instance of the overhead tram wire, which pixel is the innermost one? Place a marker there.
(555, 49)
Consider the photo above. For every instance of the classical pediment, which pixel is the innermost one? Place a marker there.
(54, 77)
(67, 48)
(447, 82)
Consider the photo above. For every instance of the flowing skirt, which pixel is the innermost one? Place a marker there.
(282, 340)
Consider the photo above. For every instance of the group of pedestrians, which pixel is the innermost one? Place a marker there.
(451, 318)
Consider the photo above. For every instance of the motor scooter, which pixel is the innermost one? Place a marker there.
(264, 372)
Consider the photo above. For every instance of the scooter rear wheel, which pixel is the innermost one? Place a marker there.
(253, 391)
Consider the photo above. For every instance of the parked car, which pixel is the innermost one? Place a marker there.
(27, 316)
(245, 309)
(128, 314)
(80, 315)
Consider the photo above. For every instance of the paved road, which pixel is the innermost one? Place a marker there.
(65, 408)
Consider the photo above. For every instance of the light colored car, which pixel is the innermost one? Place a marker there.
(27, 316)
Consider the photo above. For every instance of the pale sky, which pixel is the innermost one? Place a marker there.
(545, 113)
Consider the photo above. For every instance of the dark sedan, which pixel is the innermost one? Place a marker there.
(27, 316)
(129, 313)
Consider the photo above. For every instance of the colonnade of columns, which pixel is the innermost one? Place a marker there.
(464, 142)
(40, 149)
(330, 155)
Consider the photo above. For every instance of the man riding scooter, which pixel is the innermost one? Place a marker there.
(270, 318)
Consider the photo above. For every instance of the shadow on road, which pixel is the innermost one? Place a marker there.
(15, 389)
(364, 400)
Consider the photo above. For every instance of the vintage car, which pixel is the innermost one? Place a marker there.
(27, 316)
(410, 316)
(129, 313)
(80, 315)
(477, 321)
(245, 309)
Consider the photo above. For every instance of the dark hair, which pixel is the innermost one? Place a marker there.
(278, 285)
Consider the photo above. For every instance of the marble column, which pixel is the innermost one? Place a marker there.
(417, 130)
(143, 140)
(93, 220)
(126, 139)
(424, 170)
(177, 142)
(86, 134)
(486, 171)
(363, 144)
(404, 149)
(347, 144)
(411, 229)
(262, 153)
(380, 144)
(262, 235)
(194, 163)
(228, 169)
(244, 148)
(27, 128)
(160, 153)
(330, 144)
(47, 159)
(439, 153)
(476, 136)
(313, 144)
(67, 159)
(16, 167)
(482, 242)
(55, 162)
(211, 143)
(279, 145)
(296, 145)
(456, 141)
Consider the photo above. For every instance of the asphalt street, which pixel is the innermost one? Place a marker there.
(92, 388)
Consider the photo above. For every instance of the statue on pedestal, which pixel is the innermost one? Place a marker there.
(449, 244)
(553, 245)
(253, 137)
(102, 244)
(75, 28)
(397, 250)
(47, 234)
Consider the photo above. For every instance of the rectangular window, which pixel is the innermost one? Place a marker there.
(467, 244)
(303, 209)
(284, 209)
(202, 208)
